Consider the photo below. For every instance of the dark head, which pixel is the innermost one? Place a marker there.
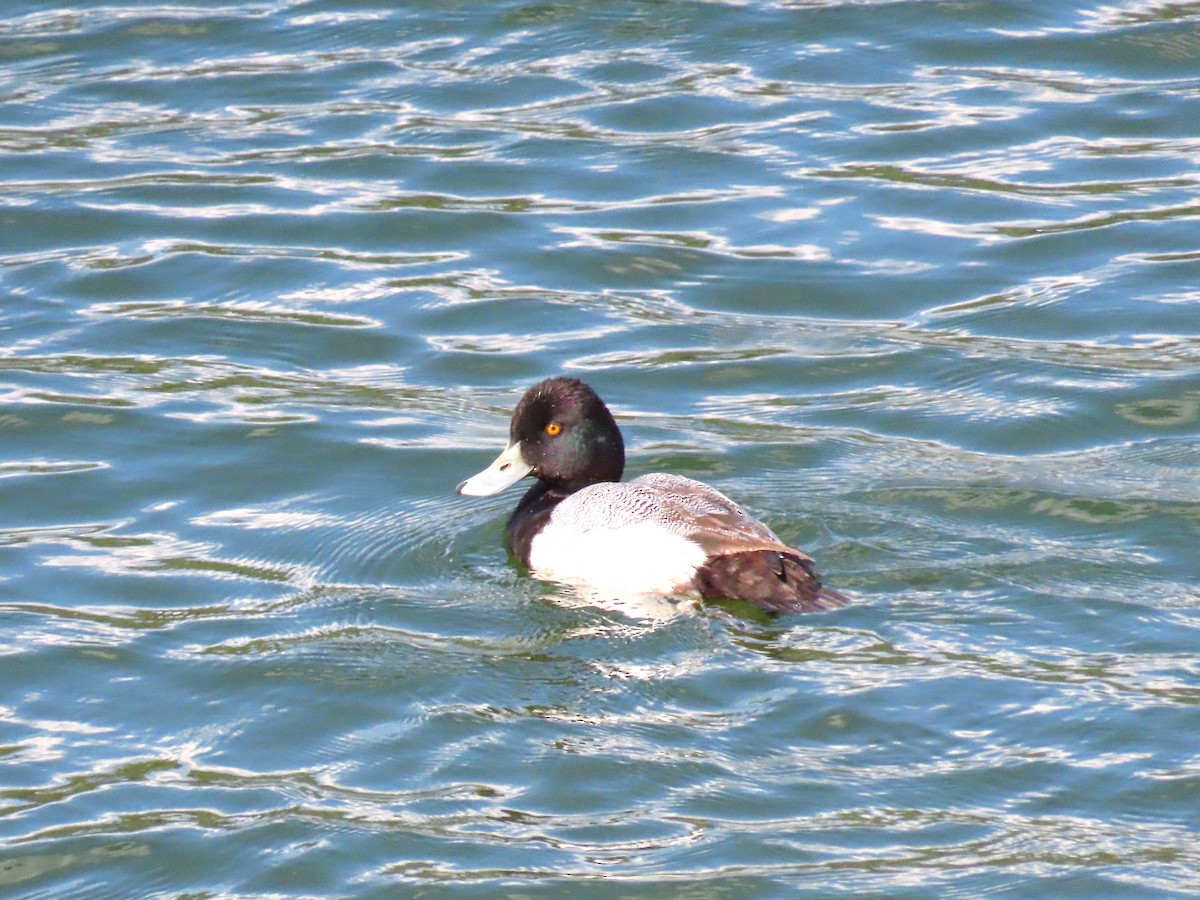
(563, 435)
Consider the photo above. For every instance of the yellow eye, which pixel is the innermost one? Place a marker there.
(553, 429)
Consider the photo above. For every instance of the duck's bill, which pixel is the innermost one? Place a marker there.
(509, 468)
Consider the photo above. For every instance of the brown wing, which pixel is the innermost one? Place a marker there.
(709, 518)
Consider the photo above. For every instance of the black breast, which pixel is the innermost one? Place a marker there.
(529, 518)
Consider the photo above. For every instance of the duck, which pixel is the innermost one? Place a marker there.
(580, 525)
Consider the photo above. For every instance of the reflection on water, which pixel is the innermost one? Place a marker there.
(913, 281)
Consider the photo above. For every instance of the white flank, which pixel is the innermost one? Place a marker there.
(639, 558)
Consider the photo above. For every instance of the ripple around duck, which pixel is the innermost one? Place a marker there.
(234, 388)
(151, 561)
(18, 468)
(111, 257)
(237, 310)
(930, 845)
(965, 179)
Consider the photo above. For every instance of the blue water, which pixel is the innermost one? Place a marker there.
(915, 282)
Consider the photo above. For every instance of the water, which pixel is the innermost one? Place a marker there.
(916, 282)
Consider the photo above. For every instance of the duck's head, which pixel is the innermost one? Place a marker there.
(562, 434)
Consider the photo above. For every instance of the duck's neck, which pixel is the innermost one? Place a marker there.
(529, 518)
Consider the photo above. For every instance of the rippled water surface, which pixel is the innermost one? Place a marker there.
(914, 281)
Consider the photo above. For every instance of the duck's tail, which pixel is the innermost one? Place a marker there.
(833, 599)
(777, 582)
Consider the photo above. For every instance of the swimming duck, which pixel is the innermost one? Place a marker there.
(658, 534)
